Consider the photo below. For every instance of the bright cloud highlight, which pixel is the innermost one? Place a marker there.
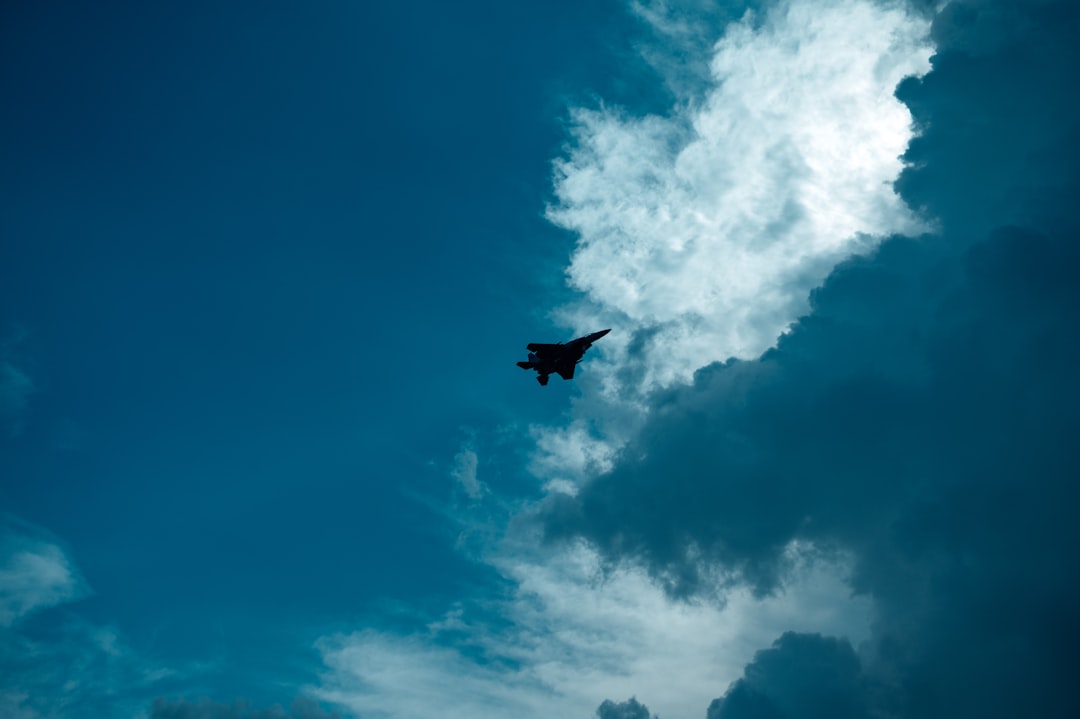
(709, 227)
(570, 636)
(701, 236)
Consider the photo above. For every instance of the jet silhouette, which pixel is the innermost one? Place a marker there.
(558, 358)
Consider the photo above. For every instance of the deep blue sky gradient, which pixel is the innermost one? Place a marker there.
(266, 264)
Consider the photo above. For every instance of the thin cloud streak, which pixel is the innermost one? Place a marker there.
(53, 663)
(34, 574)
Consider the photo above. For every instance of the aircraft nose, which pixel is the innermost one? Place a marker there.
(601, 333)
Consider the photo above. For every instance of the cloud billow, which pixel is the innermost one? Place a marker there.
(629, 709)
(803, 675)
(705, 229)
(912, 431)
(921, 416)
(16, 388)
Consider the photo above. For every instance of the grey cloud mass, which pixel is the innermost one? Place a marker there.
(803, 675)
(922, 417)
(629, 709)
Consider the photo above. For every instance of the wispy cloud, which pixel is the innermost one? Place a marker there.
(34, 574)
(464, 471)
(52, 662)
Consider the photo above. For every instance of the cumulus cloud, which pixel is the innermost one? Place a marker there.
(915, 428)
(701, 234)
(630, 709)
(922, 415)
(708, 227)
(571, 634)
(567, 454)
(802, 675)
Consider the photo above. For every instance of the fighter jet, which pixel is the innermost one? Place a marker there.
(558, 358)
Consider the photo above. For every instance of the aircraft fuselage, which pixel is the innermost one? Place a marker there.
(558, 358)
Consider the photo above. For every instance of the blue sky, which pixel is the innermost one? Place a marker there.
(265, 270)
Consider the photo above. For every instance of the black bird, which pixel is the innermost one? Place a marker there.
(558, 358)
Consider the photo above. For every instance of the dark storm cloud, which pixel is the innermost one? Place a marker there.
(630, 709)
(922, 417)
(1000, 140)
(184, 709)
(803, 675)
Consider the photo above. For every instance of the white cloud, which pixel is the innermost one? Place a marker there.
(34, 574)
(712, 224)
(700, 237)
(76, 668)
(568, 454)
(571, 636)
(464, 472)
(702, 233)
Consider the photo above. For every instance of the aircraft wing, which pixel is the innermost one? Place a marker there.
(566, 370)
